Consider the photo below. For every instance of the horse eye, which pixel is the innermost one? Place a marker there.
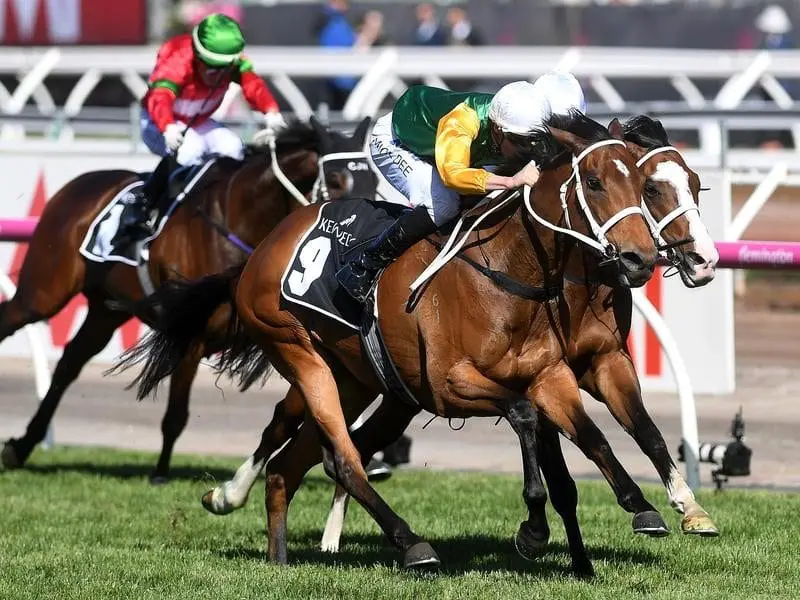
(594, 183)
(650, 190)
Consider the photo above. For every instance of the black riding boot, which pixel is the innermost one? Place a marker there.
(358, 275)
(136, 220)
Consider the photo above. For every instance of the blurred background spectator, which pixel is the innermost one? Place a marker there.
(429, 31)
(370, 30)
(189, 13)
(775, 28)
(334, 30)
(462, 32)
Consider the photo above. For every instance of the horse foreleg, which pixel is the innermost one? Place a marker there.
(563, 495)
(47, 281)
(93, 335)
(613, 381)
(177, 413)
(232, 494)
(532, 537)
(315, 380)
(478, 395)
(16, 314)
(556, 393)
(384, 426)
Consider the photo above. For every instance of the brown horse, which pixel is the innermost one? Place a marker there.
(241, 201)
(598, 346)
(598, 353)
(449, 361)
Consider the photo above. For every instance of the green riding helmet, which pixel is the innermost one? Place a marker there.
(218, 41)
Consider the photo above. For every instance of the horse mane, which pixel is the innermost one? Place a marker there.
(645, 132)
(548, 153)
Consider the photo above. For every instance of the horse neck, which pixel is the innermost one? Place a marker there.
(536, 249)
(255, 202)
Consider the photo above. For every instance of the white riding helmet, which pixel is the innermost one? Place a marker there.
(562, 90)
(519, 108)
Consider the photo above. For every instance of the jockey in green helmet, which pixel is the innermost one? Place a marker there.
(192, 73)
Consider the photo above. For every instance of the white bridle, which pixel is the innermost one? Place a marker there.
(600, 242)
(323, 188)
(320, 188)
(657, 227)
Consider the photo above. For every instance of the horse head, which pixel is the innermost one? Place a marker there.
(601, 199)
(671, 202)
(344, 168)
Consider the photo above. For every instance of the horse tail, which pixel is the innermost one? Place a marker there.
(184, 309)
(242, 358)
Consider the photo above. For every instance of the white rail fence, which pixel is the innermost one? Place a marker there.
(384, 72)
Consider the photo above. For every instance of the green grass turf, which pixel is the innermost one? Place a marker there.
(84, 523)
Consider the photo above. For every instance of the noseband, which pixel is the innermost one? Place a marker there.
(320, 190)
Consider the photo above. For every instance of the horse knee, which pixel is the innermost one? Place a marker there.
(534, 495)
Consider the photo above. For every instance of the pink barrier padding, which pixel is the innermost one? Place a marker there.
(732, 255)
(759, 255)
(17, 230)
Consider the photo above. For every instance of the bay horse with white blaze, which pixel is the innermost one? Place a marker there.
(244, 201)
(499, 354)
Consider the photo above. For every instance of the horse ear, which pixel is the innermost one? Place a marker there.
(615, 129)
(318, 127)
(360, 134)
(570, 140)
(322, 133)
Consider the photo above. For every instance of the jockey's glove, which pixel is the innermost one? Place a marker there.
(274, 120)
(173, 137)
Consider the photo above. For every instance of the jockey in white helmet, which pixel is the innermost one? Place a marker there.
(437, 145)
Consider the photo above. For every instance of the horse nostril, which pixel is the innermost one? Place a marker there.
(632, 260)
(694, 259)
(635, 261)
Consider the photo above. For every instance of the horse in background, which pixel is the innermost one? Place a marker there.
(238, 204)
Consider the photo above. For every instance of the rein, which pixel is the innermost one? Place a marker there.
(507, 283)
(223, 231)
(452, 248)
(319, 191)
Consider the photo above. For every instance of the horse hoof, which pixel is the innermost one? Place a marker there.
(583, 569)
(421, 556)
(159, 479)
(530, 544)
(9, 457)
(213, 507)
(651, 523)
(377, 470)
(699, 524)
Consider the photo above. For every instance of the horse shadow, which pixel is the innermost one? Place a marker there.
(129, 471)
(459, 554)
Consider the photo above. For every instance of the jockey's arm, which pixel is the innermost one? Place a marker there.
(170, 74)
(254, 90)
(454, 136)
